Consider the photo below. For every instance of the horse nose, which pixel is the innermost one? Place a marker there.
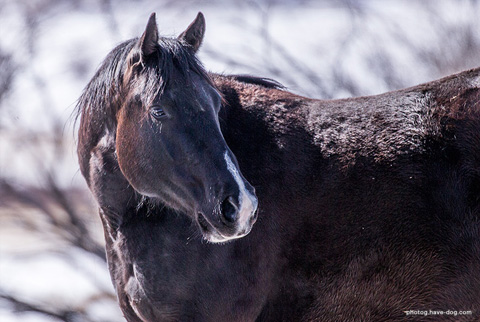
(229, 210)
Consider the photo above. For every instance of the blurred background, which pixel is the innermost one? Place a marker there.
(52, 262)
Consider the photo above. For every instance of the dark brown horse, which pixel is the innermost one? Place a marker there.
(368, 208)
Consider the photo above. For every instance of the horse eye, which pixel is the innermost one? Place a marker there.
(157, 112)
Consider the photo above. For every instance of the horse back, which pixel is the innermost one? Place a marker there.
(375, 200)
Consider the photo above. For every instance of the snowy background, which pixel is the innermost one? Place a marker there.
(52, 265)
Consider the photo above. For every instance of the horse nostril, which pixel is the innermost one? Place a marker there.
(229, 210)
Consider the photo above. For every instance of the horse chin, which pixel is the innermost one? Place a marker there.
(212, 234)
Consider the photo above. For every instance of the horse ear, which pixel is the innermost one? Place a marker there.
(193, 35)
(149, 40)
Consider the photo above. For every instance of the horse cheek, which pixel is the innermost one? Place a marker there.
(129, 147)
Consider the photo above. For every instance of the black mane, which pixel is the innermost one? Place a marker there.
(262, 81)
(97, 96)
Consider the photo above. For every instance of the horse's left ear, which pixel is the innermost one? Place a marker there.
(149, 40)
(193, 35)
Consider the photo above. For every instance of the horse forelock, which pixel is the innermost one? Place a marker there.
(157, 70)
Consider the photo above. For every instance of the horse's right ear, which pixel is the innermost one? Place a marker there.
(149, 40)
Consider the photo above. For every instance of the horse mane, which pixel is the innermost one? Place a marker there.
(95, 100)
(99, 99)
(262, 81)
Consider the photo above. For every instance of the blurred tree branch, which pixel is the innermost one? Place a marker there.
(21, 306)
(64, 221)
(7, 70)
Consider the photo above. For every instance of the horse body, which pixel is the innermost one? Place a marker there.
(379, 198)
(368, 207)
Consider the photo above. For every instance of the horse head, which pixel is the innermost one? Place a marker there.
(169, 145)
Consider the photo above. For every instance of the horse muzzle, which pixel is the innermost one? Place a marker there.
(233, 218)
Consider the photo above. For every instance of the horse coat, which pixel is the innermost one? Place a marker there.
(368, 207)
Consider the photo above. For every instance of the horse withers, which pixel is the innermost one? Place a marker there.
(368, 207)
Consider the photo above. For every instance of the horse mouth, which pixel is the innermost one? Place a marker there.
(203, 223)
(212, 234)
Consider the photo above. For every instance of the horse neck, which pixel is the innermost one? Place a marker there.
(264, 129)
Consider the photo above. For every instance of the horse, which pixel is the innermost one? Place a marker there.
(228, 198)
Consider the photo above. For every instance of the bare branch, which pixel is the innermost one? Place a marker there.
(21, 306)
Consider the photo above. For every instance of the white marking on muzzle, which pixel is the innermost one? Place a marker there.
(247, 202)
